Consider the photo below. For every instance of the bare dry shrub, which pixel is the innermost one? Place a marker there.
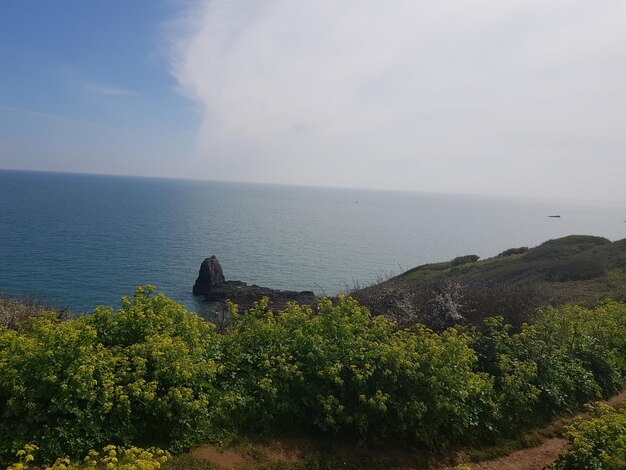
(442, 306)
(220, 316)
(515, 301)
(394, 300)
(436, 305)
(14, 311)
(443, 303)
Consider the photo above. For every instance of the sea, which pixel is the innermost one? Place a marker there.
(78, 241)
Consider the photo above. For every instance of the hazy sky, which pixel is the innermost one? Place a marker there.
(518, 97)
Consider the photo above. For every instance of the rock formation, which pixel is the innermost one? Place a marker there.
(210, 276)
(212, 285)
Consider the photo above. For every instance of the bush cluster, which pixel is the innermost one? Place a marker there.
(514, 251)
(569, 356)
(342, 370)
(599, 442)
(152, 374)
(461, 260)
(142, 374)
(579, 268)
(111, 458)
(565, 247)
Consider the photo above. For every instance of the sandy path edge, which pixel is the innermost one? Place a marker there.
(532, 458)
(535, 458)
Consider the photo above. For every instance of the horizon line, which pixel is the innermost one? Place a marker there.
(313, 186)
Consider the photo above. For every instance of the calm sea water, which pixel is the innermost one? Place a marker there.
(81, 240)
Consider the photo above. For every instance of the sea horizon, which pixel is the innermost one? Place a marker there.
(314, 186)
(79, 240)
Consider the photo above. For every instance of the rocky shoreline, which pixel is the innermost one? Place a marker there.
(213, 286)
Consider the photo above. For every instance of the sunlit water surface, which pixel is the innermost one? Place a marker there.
(81, 240)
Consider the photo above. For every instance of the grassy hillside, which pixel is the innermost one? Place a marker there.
(573, 263)
(577, 268)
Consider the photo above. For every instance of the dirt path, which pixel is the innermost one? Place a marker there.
(225, 459)
(285, 450)
(533, 458)
(617, 399)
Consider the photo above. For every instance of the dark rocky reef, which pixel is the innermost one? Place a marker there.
(213, 286)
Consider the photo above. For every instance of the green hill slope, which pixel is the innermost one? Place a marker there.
(577, 268)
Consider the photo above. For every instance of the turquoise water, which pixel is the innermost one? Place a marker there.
(83, 240)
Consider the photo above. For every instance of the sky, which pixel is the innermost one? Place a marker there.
(510, 97)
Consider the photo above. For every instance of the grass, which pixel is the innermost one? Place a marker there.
(424, 273)
(576, 268)
(188, 462)
(317, 453)
(320, 454)
(331, 455)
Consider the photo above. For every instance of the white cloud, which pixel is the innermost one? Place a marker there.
(494, 96)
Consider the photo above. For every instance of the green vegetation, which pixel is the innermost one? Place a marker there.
(144, 374)
(598, 443)
(461, 260)
(341, 370)
(111, 458)
(569, 356)
(571, 258)
(515, 251)
(152, 374)
(575, 269)
(188, 462)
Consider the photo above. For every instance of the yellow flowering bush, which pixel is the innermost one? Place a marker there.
(111, 458)
(567, 357)
(153, 374)
(143, 373)
(339, 369)
(599, 442)
(26, 457)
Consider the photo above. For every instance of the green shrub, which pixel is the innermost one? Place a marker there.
(342, 370)
(461, 260)
(578, 268)
(594, 339)
(514, 251)
(569, 356)
(152, 374)
(111, 458)
(596, 443)
(565, 247)
(616, 279)
(144, 373)
(504, 357)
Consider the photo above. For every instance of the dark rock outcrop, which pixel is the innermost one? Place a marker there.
(212, 285)
(210, 276)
